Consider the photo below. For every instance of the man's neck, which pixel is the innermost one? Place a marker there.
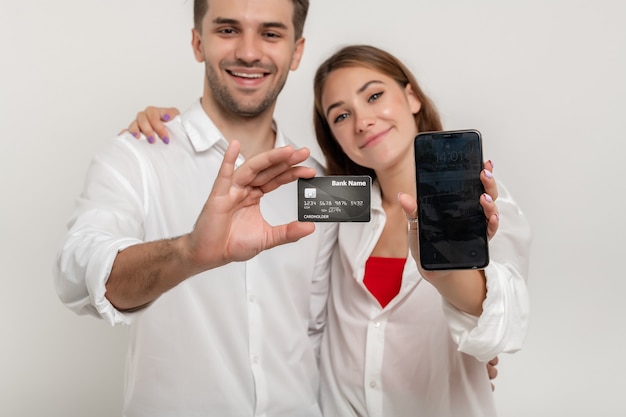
(255, 134)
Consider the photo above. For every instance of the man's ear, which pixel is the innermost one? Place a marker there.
(411, 97)
(196, 45)
(297, 54)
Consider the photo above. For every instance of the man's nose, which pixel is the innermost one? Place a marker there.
(249, 48)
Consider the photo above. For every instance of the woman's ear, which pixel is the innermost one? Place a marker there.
(412, 99)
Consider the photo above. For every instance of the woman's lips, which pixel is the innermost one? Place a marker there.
(374, 139)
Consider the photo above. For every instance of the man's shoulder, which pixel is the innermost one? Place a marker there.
(125, 151)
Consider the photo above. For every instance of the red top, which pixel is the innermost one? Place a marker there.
(383, 277)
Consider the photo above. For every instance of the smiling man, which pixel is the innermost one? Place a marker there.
(223, 320)
(247, 57)
(245, 69)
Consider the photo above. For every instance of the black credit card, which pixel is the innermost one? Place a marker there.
(337, 198)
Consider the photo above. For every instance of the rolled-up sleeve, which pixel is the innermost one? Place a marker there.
(503, 324)
(104, 222)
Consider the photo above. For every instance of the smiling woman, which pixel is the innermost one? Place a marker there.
(422, 347)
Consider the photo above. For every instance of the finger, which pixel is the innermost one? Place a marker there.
(280, 167)
(488, 165)
(286, 177)
(491, 214)
(224, 179)
(489, 183)
(145, 127)
(494, 361)
(263, 166)
(133, 129)
(492, 225)
(288, 233)
(168, 113)
(409, 204)
(155, 116)
(492, 371)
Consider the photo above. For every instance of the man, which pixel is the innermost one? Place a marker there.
(218, 314)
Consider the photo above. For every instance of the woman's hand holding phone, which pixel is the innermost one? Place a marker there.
(463, 288)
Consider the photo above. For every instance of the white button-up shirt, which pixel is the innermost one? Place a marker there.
(232, 341)
(419, 356)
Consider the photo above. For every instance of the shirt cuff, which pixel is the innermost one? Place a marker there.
(501, 328)
(96, 277)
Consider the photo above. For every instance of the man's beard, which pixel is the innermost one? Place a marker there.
(245, 109)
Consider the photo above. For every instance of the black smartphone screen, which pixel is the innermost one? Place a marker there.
(452, 224)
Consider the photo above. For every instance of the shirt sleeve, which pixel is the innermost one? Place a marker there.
(103, 223)
(502, 326)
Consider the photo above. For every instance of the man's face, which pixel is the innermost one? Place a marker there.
(248, 48)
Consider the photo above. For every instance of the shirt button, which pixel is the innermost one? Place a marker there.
(255, 359)
(376, 324)
(373, 384)
(252, 298)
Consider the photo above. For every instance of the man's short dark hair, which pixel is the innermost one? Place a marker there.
(301, 8)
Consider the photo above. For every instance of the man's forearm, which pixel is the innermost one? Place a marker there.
(141, 273)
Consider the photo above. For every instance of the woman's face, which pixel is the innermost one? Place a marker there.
(370, 115)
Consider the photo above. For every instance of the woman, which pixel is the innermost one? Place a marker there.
(393, 343)
(401, 341)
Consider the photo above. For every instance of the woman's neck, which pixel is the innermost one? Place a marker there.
(398, 178)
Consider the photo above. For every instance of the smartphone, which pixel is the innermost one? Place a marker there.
(451, 222)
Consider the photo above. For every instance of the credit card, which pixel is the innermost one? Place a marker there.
(336, 198)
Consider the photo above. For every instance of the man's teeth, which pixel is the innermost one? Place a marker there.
(246, 75)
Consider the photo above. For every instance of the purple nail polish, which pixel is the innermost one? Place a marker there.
(488, 174)
(166, 117)
(166, 140)
(488, 198)
(150, 139)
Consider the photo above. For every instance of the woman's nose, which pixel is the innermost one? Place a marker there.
(364, 121)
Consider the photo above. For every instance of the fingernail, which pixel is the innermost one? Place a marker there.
(166, 117)
(488, 174)
(488, 198)
(491, 162)
(150, 139)
(166, 140)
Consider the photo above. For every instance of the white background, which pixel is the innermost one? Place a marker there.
(542, 80)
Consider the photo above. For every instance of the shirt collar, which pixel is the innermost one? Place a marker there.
(203, 134)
